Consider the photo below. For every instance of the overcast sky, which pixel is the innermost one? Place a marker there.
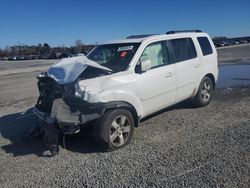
(61, 22)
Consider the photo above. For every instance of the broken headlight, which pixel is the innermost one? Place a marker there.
(78, 91)
(82, 93)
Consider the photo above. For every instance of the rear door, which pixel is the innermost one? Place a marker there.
(184, 56)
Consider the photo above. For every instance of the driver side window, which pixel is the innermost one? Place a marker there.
(156, 53)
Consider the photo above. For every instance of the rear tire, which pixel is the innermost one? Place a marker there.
(114, 129)
(204, 93)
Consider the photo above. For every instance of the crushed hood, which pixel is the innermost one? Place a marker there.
(69, 69)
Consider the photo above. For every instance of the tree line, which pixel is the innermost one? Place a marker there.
(43, 50)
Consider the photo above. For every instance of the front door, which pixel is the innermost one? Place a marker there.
(156, 87)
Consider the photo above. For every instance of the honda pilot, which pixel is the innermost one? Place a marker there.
(121, 82)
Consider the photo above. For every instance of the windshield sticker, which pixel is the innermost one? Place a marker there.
(123, 54)
(125, 48)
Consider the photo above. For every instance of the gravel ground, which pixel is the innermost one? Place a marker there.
(178, 147)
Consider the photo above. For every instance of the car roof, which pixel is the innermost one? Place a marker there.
(155, 37)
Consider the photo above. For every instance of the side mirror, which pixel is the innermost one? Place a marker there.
(145, 65)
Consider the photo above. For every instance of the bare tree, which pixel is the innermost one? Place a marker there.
(78, 45)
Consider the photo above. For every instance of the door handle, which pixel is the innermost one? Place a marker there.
(197, 66)
(169, 74)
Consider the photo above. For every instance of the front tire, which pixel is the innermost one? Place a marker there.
(114, 129)
(205, 93)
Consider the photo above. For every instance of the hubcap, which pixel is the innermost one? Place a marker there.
(206, 92)
(119, 130)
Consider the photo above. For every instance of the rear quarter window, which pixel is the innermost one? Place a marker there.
(205, 45)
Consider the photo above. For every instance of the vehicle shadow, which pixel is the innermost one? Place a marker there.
(83, 142)
(15, 127)
(186, 104)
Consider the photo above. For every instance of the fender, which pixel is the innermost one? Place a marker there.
(122, 104)
(122, 96)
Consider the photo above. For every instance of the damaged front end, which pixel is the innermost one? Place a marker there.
(58, 105)
(61, 106)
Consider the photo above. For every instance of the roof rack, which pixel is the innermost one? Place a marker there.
(139, 36)
(184, 31)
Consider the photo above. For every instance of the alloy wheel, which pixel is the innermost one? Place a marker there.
(119, 131)
(206, 92)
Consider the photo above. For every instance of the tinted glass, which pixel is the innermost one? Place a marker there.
(205, 45)
(182, 49)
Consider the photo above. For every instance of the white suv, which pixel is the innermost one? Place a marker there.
(123, 81)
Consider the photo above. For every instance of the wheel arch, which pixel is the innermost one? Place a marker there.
(124, 105)
(211, 76)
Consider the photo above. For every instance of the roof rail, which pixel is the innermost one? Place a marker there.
(184, 31)
(139, 36)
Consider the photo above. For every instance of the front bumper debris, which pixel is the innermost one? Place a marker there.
(43, 116)
(65, 128)
(50, 129)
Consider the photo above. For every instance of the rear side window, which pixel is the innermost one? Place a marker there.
(182, 49)
(205, 45)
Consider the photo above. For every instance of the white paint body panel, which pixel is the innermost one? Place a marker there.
(157, 88)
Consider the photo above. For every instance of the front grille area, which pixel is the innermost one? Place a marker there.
(49, 91)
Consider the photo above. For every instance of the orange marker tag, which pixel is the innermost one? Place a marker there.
(123, 54)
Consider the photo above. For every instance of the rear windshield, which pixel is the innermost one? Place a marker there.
(205, 45)
(114, 56)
